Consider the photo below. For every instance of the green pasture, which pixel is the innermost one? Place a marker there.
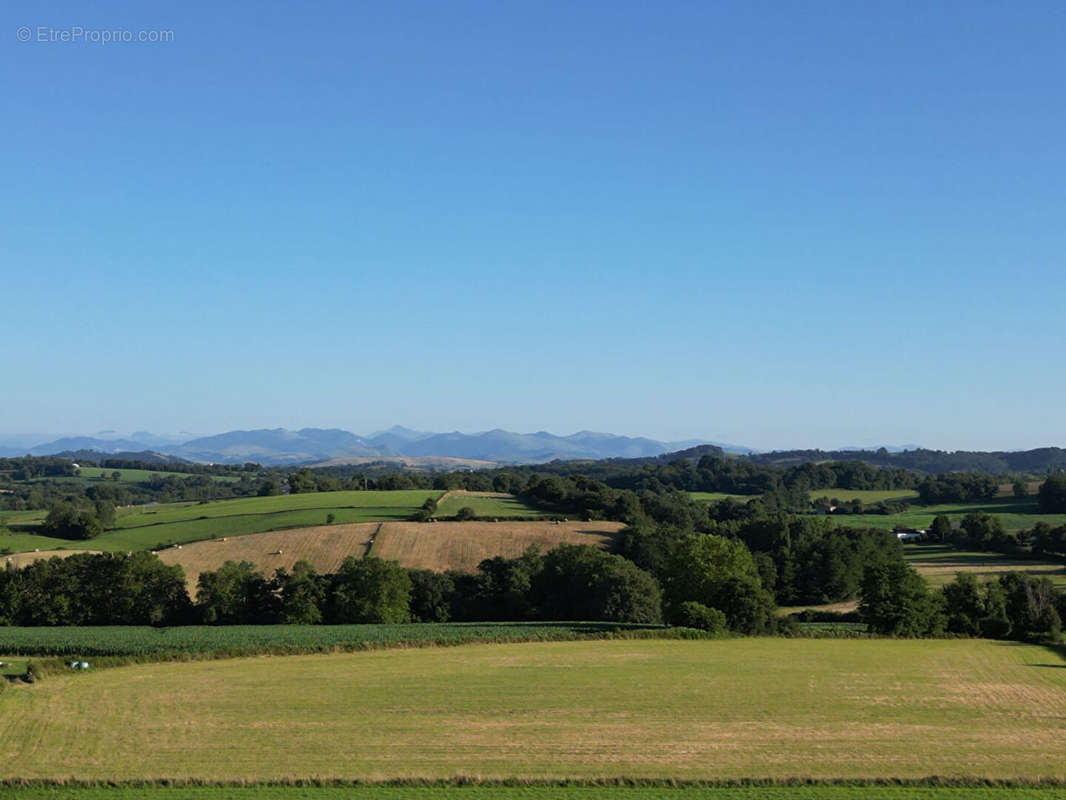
(769, 708)
(488, 504)
(529, 792)
(33, 517)
(153, 526)
(714, 497)
(12, 666)
(867, 496)
(1015, 513)
(143, 475)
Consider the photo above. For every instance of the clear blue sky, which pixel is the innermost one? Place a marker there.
(777, 224)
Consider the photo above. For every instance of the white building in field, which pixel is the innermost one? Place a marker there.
(909, 536)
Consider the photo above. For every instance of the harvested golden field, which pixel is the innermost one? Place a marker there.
(463, 545)
(419, 545)
(24, 559)
(325, 547)
(938, 564)
(765, 707)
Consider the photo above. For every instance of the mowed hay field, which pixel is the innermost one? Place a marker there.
(463, 545)
(23, 559)
(470, 791)
(939, 564)
(763, 707)
(325, 547)
(419, 545)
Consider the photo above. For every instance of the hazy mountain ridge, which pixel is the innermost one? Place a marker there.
(308, 445)
(279, 446)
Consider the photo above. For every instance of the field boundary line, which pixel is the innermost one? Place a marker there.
(373, 538)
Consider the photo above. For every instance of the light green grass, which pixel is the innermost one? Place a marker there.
(22, 517)
(527, 792)
(938, 564)
(714, 497)
(1015, 513)
(143, 475)
(12, 666)
(488, 504)
(765, 707)
(21, 542)
(150, 527)
(867, 496)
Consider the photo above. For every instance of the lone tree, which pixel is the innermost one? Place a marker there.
(465, 513)
(941, 529)
(1052, 494)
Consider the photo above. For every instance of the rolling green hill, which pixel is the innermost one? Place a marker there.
(155, 526)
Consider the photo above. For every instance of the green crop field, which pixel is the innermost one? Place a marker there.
(759, 707)
(487, 504)
(153, 526)
(191, 640)
(530, 792)
(938, 564)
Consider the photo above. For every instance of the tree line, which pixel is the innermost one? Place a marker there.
(568, 583)
(896, 601)
(32, 482)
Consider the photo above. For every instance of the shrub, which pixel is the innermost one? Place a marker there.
(465, 513)
(696, 615)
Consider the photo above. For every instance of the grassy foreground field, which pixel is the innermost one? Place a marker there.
(769, 708)
(482, 792)
(526, 792)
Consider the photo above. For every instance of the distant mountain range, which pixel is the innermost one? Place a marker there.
(312, 445)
